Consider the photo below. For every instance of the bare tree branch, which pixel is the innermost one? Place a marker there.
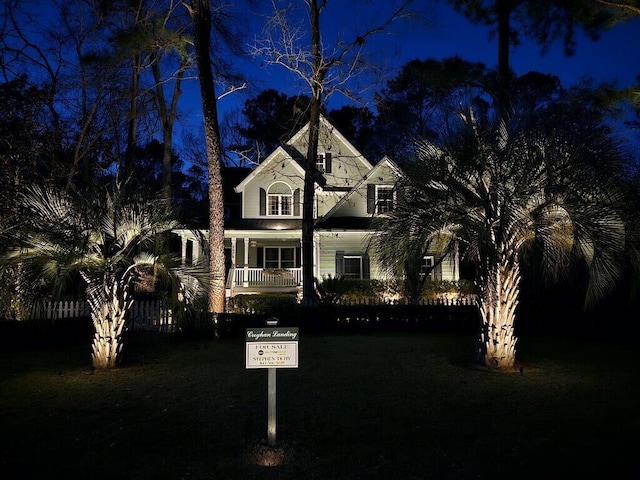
(232, 90)
(620, 5)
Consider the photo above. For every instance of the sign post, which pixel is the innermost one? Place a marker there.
(271, 348)
(271, 409)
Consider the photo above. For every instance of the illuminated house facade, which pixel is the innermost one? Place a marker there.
(263, 229)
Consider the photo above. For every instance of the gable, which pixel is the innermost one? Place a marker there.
(347, 165)
(278, 158)
(278, 174)
(355, 203)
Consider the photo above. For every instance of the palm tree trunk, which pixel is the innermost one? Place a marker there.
(108, 316)
(498, 301)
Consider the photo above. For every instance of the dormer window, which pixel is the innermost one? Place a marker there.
(279, 199)
(384, 199)
(323, 162)
(380, 198)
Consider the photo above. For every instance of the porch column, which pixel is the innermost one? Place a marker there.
(195, 253)
(233, 261)
(301, 264)
(183, 250)
(456, 265)
(233, 251)
(245, 278)
(316, 254)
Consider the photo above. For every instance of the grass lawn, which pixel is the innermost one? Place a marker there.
(358, 407)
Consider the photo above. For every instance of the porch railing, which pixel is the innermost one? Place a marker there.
(265, 277)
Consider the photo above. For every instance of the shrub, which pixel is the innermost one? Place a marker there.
(361, 291)
(194, 322)
(265, 304)
(331, 289)
(439, 289)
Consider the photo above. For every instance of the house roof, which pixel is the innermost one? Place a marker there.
(231, 176)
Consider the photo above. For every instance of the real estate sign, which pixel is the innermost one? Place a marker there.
(272, 347)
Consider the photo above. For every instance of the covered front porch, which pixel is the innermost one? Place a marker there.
(257, 261)
(264, 262)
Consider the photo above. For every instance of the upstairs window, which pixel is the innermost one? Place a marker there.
(384, 199)
(279, 199)
(380, 198)
(323, 162)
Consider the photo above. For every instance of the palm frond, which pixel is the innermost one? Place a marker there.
(500, 189)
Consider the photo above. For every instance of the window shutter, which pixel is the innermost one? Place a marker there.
(327, 162)
(298, 257)
(366, 272)
(371, 198)
(339, 263)
(296, 202)
(260, 257)
(263, 202)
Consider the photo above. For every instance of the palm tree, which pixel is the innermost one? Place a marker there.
(499, 188)
(111, 243)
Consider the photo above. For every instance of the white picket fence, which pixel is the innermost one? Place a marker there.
(145, 314)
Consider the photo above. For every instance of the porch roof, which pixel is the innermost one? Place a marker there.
(345, 223)
(263, 224)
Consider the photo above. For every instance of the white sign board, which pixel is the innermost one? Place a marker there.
(272, 347)
(272, 355)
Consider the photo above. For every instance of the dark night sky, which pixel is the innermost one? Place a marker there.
(613, 57)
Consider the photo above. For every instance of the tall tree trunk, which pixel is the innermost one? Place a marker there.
(308, 222)
(167, 154)
(201, 16)
(504, 46)
(167, 115)
(498, 301)
(126, 168)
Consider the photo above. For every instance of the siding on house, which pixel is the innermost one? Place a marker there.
(347, 242)
(326, 200)
(355, 203)
(348, 166)
(448, 269)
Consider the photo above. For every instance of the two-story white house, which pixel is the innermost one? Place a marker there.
(263, 236)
